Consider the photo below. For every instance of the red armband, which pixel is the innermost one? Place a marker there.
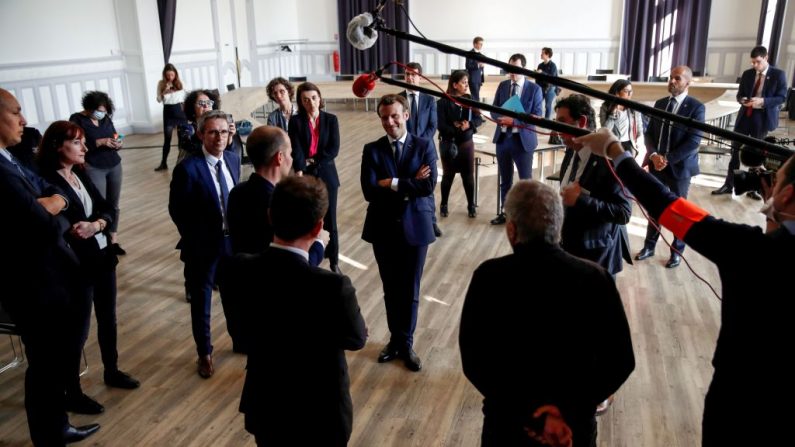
(680, 216)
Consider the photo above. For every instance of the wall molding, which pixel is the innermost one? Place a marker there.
(87, 60)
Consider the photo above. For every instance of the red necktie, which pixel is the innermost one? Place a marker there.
(755, 93)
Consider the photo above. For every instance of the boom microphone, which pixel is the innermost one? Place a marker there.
(364, 84)
(361, 33)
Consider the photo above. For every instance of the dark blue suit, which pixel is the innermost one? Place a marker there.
(399, 224)
(476, 77)
(761, 121)
(195, 209)
(681, 153)
(594, 228)
(37, 277)
(516, 148)
(425, 124)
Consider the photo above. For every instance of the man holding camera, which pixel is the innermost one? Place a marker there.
(753, 376)
(763, 89)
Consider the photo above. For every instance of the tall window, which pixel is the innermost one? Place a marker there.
(771, 21)
(663, 46)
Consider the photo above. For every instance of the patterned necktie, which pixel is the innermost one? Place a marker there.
(665, 132)
(575, 165)
(754, 93)
(398, 153)
(414, 113)
(514, 87)
(222, 182)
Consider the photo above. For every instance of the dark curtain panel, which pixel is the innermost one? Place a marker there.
(386, 48)
(775, 33)
(646, 34)
(167, 10)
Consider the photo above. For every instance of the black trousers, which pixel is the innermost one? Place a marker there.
(678, 186)
(173, 116)
(752, 126)
(464, 164)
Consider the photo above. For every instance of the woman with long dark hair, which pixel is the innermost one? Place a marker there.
(60, 158)
(171, 93)
(456, 126)
(315, 137)
(626, 124)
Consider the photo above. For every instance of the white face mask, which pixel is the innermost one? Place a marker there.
(98, 115)
(772, 214)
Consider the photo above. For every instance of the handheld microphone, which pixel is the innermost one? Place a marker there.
(364, 84)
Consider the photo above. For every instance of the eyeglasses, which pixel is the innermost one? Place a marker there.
(205, 102)
(216, 133)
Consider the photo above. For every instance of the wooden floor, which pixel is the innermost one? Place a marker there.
(674, 320)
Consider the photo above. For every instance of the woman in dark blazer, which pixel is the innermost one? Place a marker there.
(315, 137)
(60, 159)
(456, 127)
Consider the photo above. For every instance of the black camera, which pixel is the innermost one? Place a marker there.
(761, 165)
(751, 180)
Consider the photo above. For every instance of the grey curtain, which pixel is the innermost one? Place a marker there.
(386, 49)
(167, 10)
(641, 39)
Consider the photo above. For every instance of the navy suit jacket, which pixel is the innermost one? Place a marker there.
(594, 228)
(774, 91)
(194, 206)
(412, 205)
(531, 100)
(427, 119)
(39, 264)
(476, 74)
(684, 141)
(328, 147)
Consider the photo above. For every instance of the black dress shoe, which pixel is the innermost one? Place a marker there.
(499, 220)
(673, 261)
(120, 379)
(436, 230)
(205, 369)
(411, 360)
(472, 211)
(387, 354)
(725, 189)
(76, 434)
(644, 254)
(162, 167)
(754, 195)
(83, 404)
(443, 211)
(118, 250)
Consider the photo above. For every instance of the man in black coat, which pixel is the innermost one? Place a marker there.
(752, 368)
(559, 349)
(297, 306)
(37, 280)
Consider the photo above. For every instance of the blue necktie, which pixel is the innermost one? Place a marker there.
(414, 113)
(665, 132)
(222, 182)
(514, 86)
(575, 165)
(398, 153)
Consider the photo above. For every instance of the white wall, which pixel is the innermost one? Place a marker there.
(732, 33)
(583, 35)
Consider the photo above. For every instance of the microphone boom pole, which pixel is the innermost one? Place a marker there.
(762, 147)
(526, 117)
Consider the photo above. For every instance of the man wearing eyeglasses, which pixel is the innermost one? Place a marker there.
(200, 188)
